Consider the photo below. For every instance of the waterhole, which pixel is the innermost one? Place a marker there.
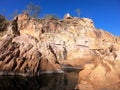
(63, 81)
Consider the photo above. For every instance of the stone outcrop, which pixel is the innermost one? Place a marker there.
(20, 56)
(36, 46)
(101, 76)
(67, 16)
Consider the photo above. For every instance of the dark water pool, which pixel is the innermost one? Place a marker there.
(65, 81)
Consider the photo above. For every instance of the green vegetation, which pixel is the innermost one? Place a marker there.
(15, 13)
(2, 18)
(49, 16)
(78, 12)
(3, 23)
(32, 10)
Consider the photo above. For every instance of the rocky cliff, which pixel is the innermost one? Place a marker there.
(34, 46)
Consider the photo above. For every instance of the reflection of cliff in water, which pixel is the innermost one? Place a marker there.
(66, 81)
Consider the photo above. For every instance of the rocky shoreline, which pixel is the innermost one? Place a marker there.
(32, 46)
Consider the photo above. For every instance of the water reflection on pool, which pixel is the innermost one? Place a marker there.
(65, 81)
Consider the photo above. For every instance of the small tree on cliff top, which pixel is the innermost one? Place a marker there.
(15, 13)
(49, 16)
(78, 12)
(32, 10)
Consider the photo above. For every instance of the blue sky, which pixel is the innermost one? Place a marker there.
(104, 13)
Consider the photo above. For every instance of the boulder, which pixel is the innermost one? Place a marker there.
(101, 76)
(67, 16)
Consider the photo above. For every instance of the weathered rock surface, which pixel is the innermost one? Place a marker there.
(20, 55)
(37, 46)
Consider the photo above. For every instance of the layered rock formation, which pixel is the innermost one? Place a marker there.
(32, 46)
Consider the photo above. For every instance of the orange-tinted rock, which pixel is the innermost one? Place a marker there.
(21, 56)
(46, 65)
(102, 76)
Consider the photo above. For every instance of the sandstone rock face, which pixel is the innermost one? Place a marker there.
(103, 76)
(39, 45)
(20, 55)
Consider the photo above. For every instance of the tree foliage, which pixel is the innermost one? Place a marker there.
(78, 12)
(33, 10)
(49, 16)
(2, 18)
(3, 23)
(15, 13)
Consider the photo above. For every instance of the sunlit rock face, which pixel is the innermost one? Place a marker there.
(46, 45)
